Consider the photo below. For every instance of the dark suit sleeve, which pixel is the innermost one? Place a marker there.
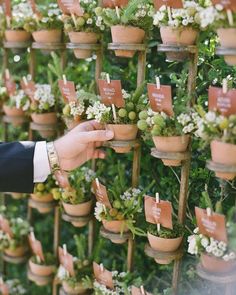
(16, 167)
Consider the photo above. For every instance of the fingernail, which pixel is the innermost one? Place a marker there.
(109, 134)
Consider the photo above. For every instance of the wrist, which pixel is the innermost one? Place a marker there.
(53, 157)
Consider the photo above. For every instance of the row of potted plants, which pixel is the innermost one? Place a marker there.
(130, 24)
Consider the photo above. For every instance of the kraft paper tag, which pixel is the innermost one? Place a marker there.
(114, 3)
(171, 3)
(66, 260)
(103, 276)
(111, 93)
(7, 5)
(5, 226)
(160, 99)
(158, 213)
(225, 103)
(68, 91)
(212, 226)
(10, 85)
(29, 89)
(138, 291)
(227, 4)
(4, 288)
(70, 6)
(36, 247)
(34, 8)
(101, 194)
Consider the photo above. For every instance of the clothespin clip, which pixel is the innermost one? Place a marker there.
(8, 19)
(108, 78)
(114, 112)
(7, 74)
(101, 267)
(142, 290)
(158, 201)
(25, 81)
(64, 249)
(169, 13)
(230, 17)
(32, 235)
(97, 183)
(73, 18)
(64, 79)
(209, 213)
(118, 12)
(158, 83)
(225, 86)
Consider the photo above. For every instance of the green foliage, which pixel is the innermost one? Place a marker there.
(49, 259)
(166, 233)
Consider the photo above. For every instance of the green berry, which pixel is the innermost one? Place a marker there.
(143, 115)
(156, 130)
(132, 116)
(122, 113)
(80, 21)
(66, 110)
(34, 106)
(46, 106)
(117, 204)
(224, 124)
(98, 11)
(142, 125)
(40, 187)
(159, 120)
(130, 106)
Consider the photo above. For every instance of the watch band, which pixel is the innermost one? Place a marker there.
(53, 157)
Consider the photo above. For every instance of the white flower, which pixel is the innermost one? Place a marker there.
(98, 210)
(204, 242)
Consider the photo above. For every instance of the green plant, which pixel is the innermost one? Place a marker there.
(80, 186)
(49, 259)
(166, 233)
(44, 99)
(15, 287)
(47, 187)
(135, 102)
(89, 22)
(138, 13)
(19, 100)
(3, 94)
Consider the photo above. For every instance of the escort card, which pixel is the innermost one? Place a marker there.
(66, 260)
(103, 276)
(7, 4)
(225, 103)
(160, 99)
(36, 247)
(4, 288)
(139, 291)
(9, 84)
(171, 3)
(158, 213)
(111, 93)
(212, 226)
(68, 91)
(5, 226)
(29, 89)
(100, 192)
(70, 6)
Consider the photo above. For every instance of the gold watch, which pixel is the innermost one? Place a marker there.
(53, 157)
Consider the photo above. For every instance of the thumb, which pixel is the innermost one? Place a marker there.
(96, 135)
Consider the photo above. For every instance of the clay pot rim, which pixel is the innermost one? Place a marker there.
(17, 30)
(170, 239)
(47, 30)
(173, 136)
(128, 26)
(45, 265)
(220, 141)
(180, 28)
(90, 200)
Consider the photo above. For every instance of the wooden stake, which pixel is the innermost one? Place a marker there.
(209, 213)
(169, 13)
(114, 112)
(64, 249)
(118, 12)
(73, 18)
(64, 79)
(158, 83)
(225, 86)
(101, 267)
(108, 79)
(230, 17)
(7, 74)
(25, 81)
(158, 201)
(142, 290)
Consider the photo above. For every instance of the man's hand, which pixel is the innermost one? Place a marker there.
(81, 144)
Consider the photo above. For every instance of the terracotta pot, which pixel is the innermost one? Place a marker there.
(164, 245)
(47, 198)
(171, 144)
(45, 119)
(18, 252)
(16, 115)
(224, 153)
(116, 226)
(114, 3)
(179, 36)
(17, 196)
(79, 289)
(123, 132)
(126, 35)
(214, 264)
(47, 36)
(41, 270)
(17, 36)
(228, 40)
(78, 210)
(83, 38)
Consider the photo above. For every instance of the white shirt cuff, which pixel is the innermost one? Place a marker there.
(41, 162)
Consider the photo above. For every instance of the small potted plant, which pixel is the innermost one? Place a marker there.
(48, 24)
(82, 267)
(43, 193)
(217, 18)
(85, 29)
(77, 199)
(219, 131)
(43, 268)
(165, 240)
(14, 286)
(75, 112)
(130, 24)
(124, 124)
(16, 106)
(18, 28)
(16, 244)
(43, 108)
